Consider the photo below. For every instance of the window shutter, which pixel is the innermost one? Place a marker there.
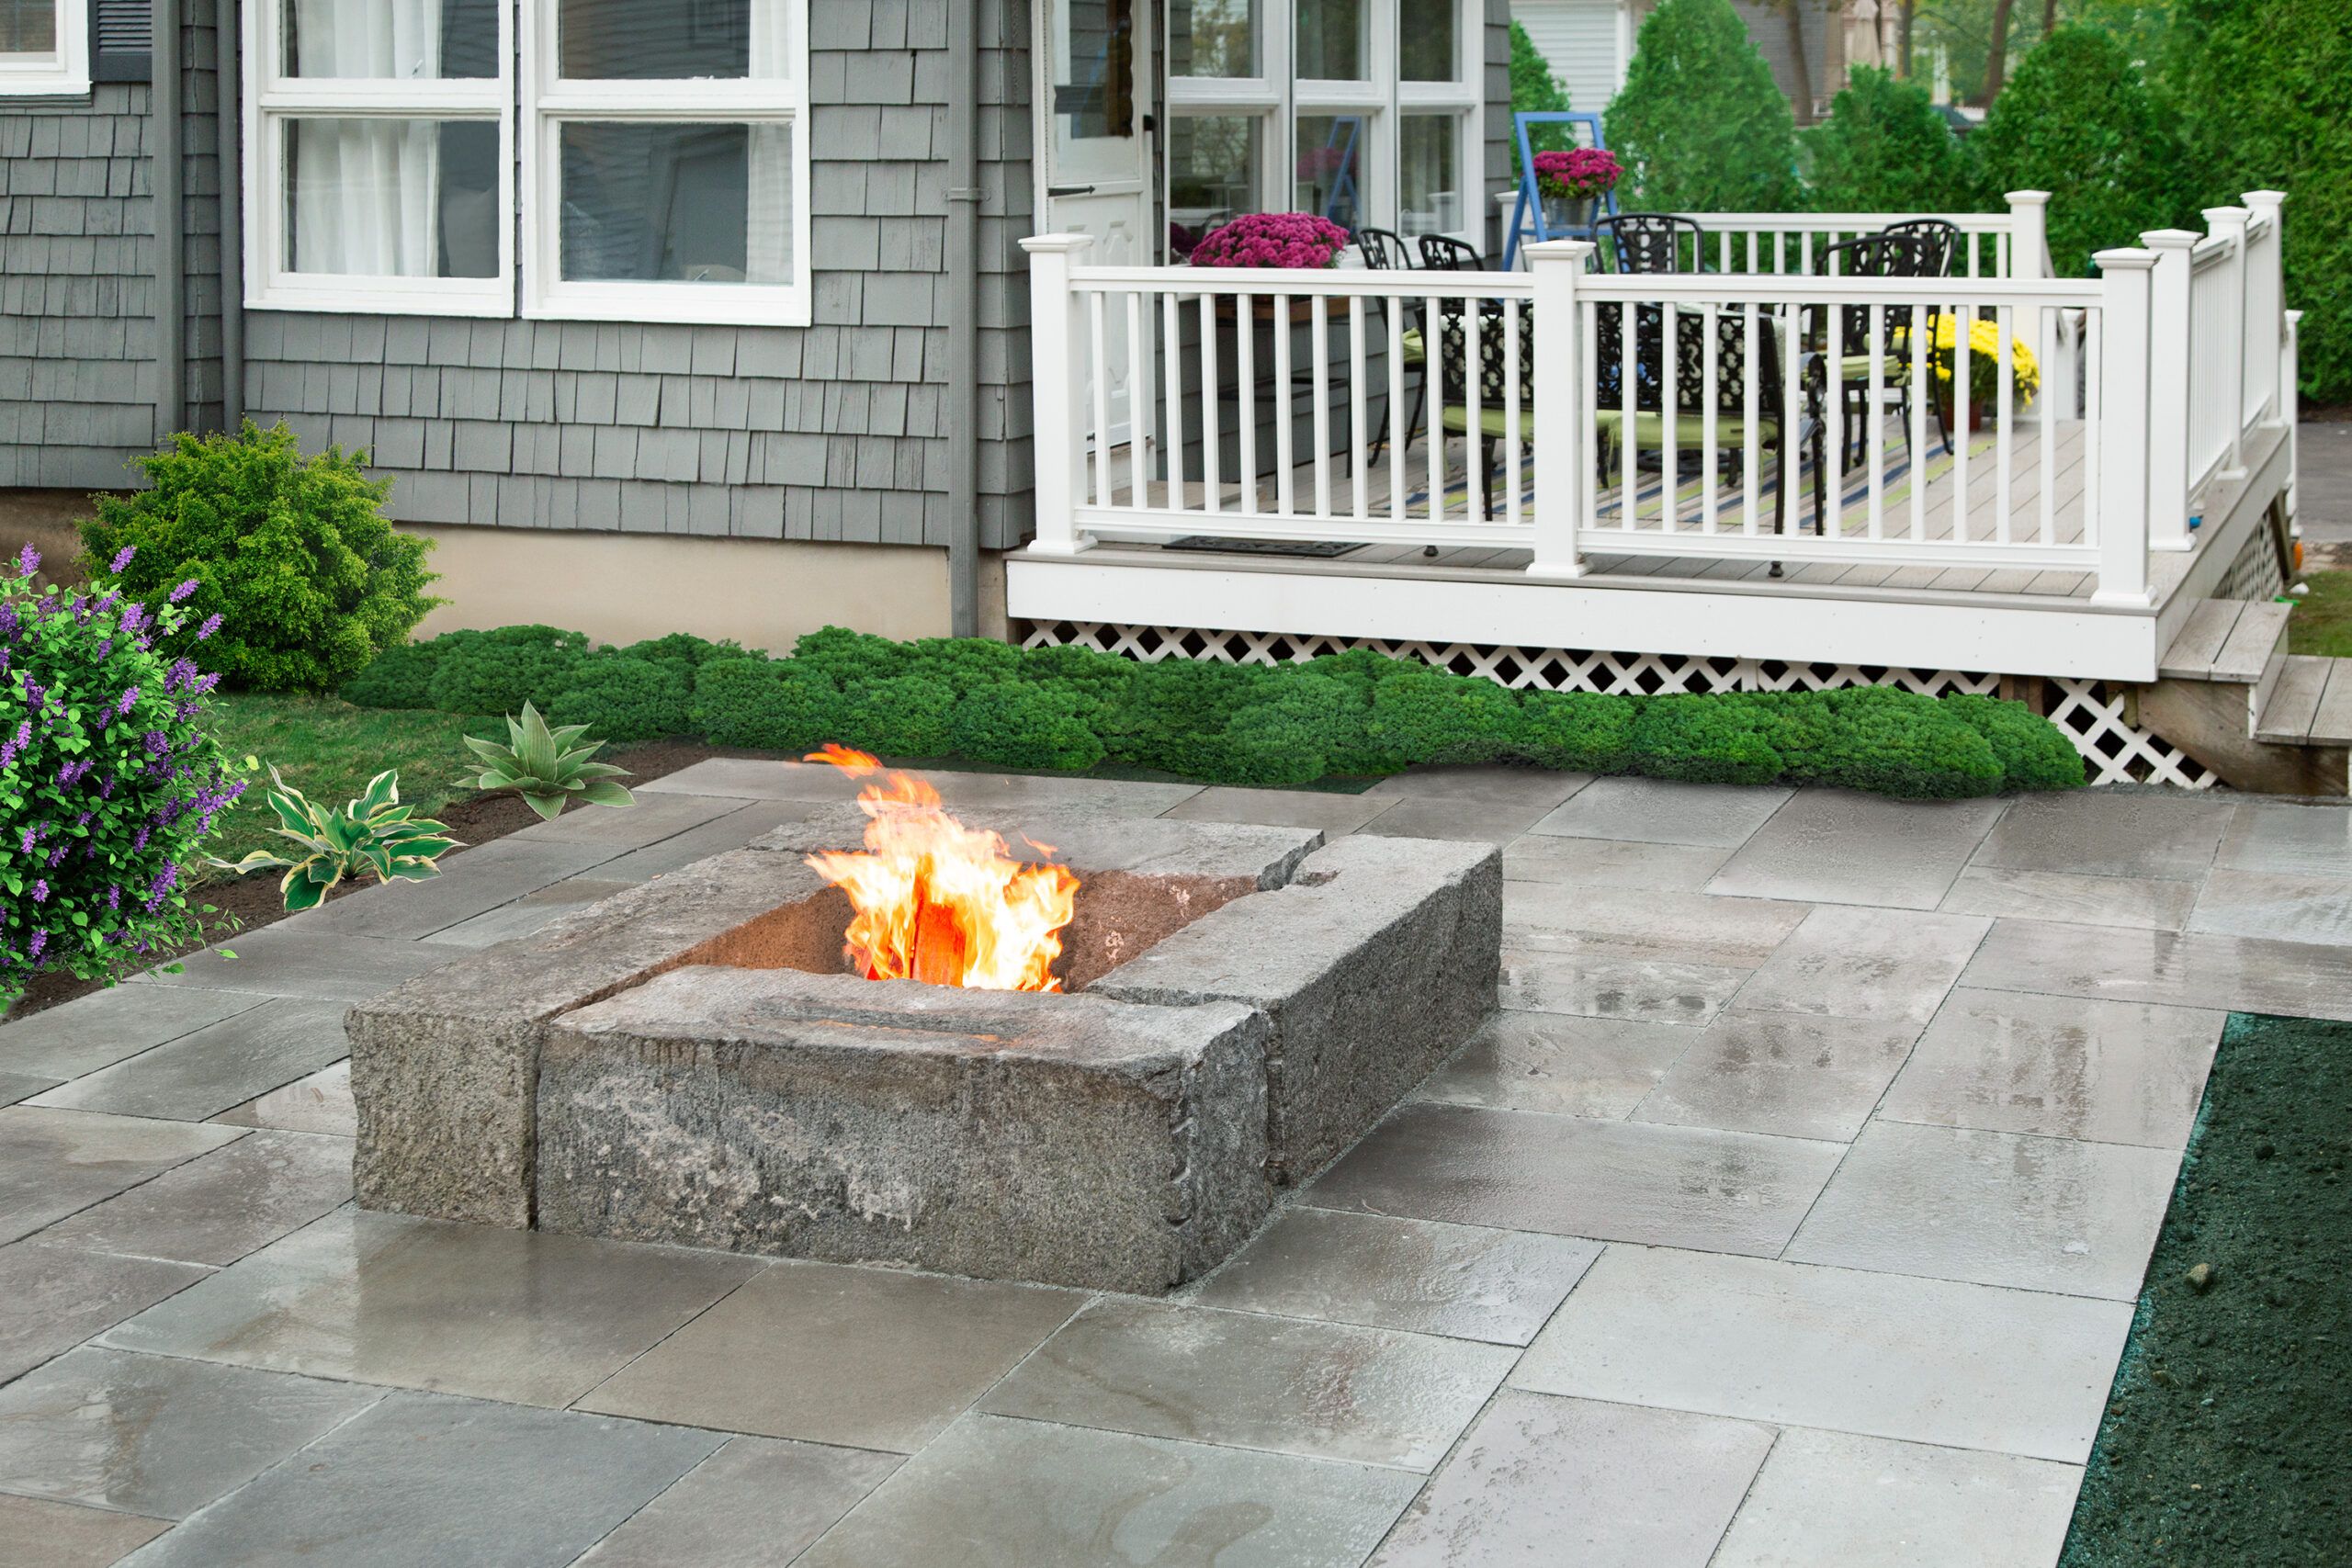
(121, 39)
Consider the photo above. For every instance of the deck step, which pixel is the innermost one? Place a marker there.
(2226, 639)
(2311, 705)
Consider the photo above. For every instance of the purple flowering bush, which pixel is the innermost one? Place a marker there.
(1272, 239)
(107, 784)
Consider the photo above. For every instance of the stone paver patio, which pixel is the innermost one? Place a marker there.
(1791, 1213)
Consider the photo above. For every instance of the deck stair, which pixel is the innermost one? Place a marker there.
(2230, 694)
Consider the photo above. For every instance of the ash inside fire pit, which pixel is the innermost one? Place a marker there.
(693, 1061)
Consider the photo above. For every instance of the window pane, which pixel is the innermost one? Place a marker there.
(1330, 167)
(1213, 164)
(1093, 69)
(651, 41)
(28, 26)
(1330, 40)
(1425, 31)
(677, 203)
(1212, 37)
(1428, 148)
(399, 39)
(393, 198)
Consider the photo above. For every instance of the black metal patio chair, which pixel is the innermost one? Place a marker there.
(1648, 241)
(1916, 255)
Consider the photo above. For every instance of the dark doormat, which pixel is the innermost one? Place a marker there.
(1311, 549)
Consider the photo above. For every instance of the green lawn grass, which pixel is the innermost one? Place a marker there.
(2321, 623)
(329, 751)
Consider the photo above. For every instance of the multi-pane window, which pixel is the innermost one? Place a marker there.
(44, 46)
(1364, 111)
(663, 175)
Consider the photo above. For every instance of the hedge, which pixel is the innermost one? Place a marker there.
(1699, 123)
(1347, 715)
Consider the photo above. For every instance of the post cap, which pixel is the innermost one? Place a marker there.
(2265, 198)
(2227, 217)
(1578, 251)
(2027, 198)
(2124, 259)
(2170, 239)
(1056, 244)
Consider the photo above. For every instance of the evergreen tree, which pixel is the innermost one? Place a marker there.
(2079, 121)
(1884, 148)
(2268, 86)
(1534, 90)
(1701, 124)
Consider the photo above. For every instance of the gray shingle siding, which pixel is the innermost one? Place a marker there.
(77, 375)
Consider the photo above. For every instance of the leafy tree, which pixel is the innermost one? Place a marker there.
(2079, 121)
(1700, 122)
(2268, 85)
(1534, 90)
(1885, 149)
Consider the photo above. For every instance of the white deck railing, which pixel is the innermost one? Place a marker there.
(1256, 398)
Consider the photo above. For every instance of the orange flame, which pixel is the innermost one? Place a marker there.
(939, 902)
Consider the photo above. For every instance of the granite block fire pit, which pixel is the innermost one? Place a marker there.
(692, 1062)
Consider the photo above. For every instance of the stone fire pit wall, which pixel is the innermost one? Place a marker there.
(686, 1062)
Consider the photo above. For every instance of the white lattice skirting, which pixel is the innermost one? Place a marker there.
(2094, 714)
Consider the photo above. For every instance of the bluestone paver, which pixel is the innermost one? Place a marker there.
(66, 1535)
(1840, 847)
(1612, 863)
(53, 1296)
(2269, 904)
(53, 1162)
(1646, 923)
(319, 1103)
(2154, 903)
(2235, 974)
(1662, 811)
(322, 965)
(106, 1026)
(1890, 965)
(216, 1068)
(1598, 986)
(1560, 1063)
(1796, 1077)
(755, 1502)
(220, 1206)
(2289, 841)
(2095, 832)
(1330, 811)
(496, 873)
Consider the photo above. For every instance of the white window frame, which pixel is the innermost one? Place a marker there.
(68, 75)
(549, 101)
(1278, 99)
(271, 98)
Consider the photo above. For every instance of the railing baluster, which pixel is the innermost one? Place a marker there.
(1433, 364)
(1285, 481)
(1709, 379)
(1212, 411)
(1629, 444)
(1963, 327)
(1833, 370)
(1669, 378)
(1751, 456)
(1473, 428)
(1589, 407)
(2094, 420)
(2003, 437)
(1791, 454)
(1245, 373)
(1319, 344)
(1098, 365)
(1139, 401)
(1393, 313)
(1358, 413)
(1922, 388)
(1874, 424)
(1172, 320)
(1511, 396)
(2046, 401)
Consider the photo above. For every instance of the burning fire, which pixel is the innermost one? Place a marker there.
(940, 902)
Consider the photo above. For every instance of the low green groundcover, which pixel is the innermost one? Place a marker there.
(2228, 1437)
(1347, 715)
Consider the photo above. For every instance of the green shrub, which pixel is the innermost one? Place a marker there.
(1012, 725)
(1534, 90)
(1701, 739)
(1104, 682)
(1430, 716)
(107, 783)
(1700, 124)
(683, 652)
(498, 672)
(1885, 148)
(962, 664)
(401, 676)
(1878, 738)
(623, 699)
(766, 705)
(2265, 89)
(293, 555)
(2079, 121)
(901, 716)
(1304, 727)
(2033, 752)
(1585, 732)
(1179, 714)
(842, 655)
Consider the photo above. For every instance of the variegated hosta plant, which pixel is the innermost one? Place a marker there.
(546, 768)
(374, 833)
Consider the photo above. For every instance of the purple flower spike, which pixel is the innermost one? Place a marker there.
(28, 560)
(180, 594)
(121, 559)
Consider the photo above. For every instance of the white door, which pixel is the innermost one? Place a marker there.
(1094, 174)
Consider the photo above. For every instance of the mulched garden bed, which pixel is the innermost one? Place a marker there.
(2228, 1436)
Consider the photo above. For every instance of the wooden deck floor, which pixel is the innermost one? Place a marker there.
(1617, 551)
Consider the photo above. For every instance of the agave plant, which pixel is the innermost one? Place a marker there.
(374, 833)
(544, 767)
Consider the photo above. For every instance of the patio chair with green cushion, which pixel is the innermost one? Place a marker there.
(1922, 253)
(1648, 241)
(1773, 433)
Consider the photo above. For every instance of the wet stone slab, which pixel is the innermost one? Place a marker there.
(1542, 1479)
(993, 1493)
(755, 1503)
(1319, 1390)
(220, 1206)
(91, 1031)
(1460, 1282)
(218, 1066)
(1560, 1063)
(1842, 848)
(1797, 1077)
(65, 1534)
(54, 1161)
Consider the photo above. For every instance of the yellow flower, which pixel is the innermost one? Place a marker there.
(1983, 358)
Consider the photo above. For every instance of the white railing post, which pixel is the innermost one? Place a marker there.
(2291, 401)
(1556, 266)
(2169, 372)
(2230, 223)
(1058, 378)
(2123, 432)
(2029, 234)
(2266, 294)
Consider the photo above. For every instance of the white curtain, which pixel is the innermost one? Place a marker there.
(367, 192)
(767, 242)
